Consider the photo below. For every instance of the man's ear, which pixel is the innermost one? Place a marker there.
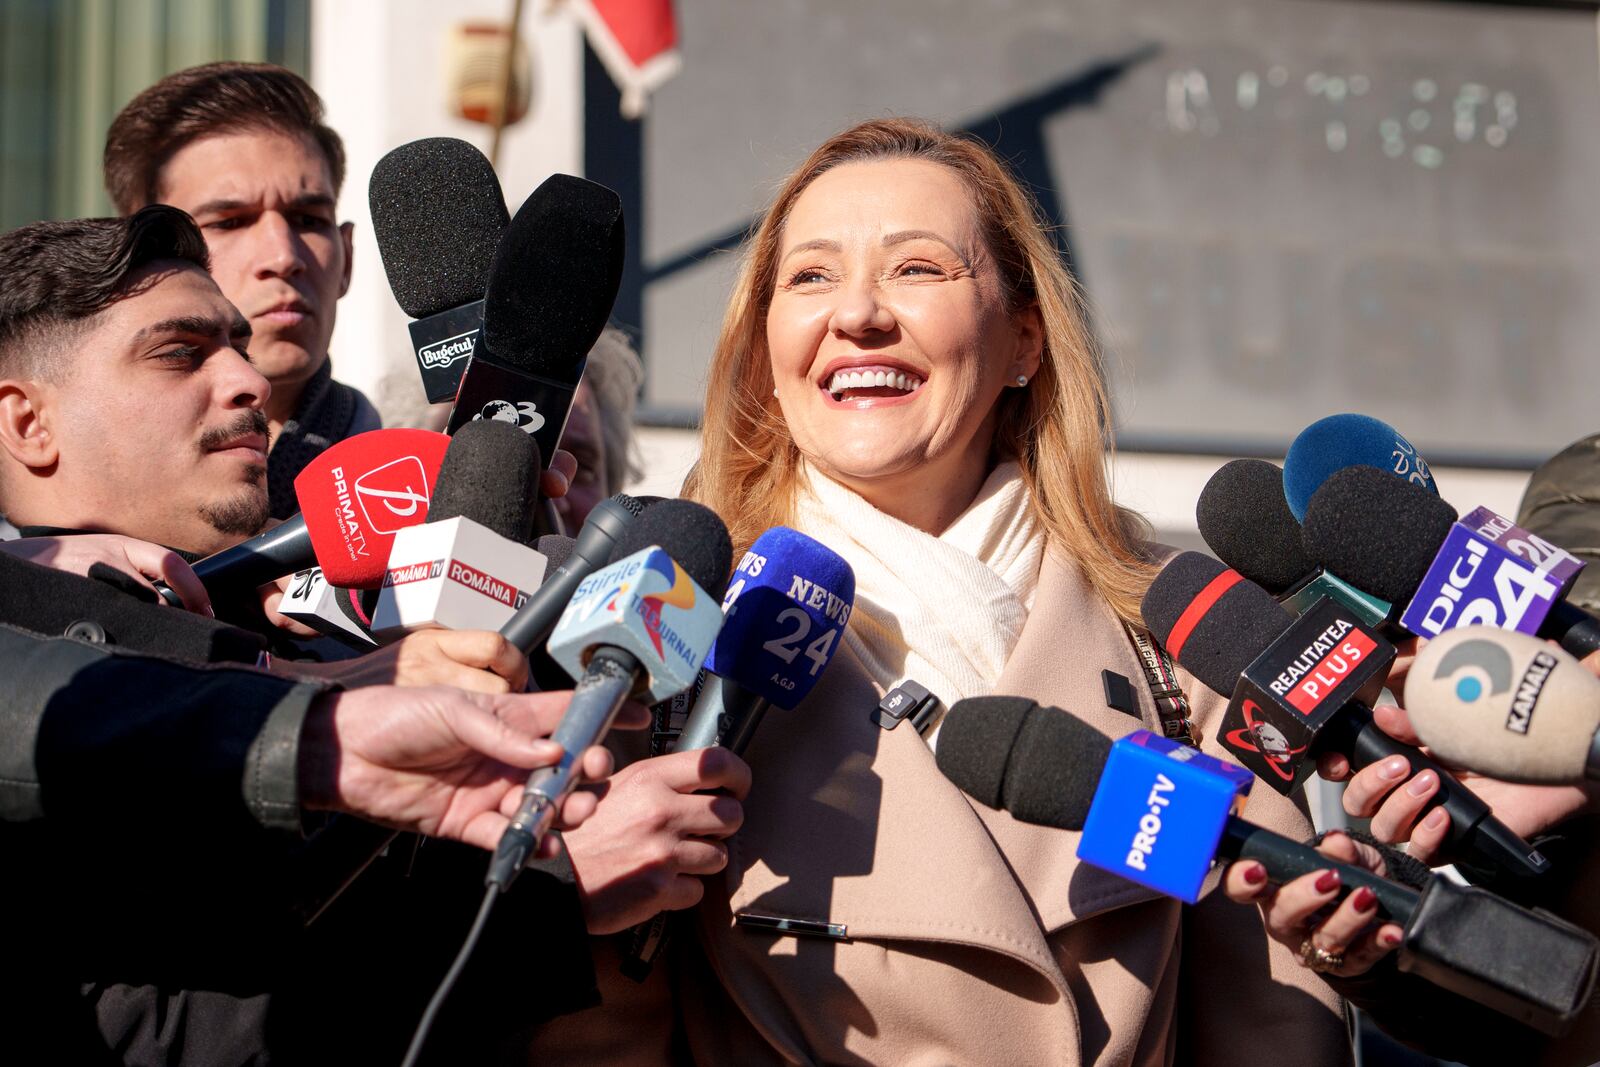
(347, 234)
(26, 431)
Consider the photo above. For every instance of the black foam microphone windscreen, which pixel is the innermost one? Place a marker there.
(1246, 521)
(556, 550)
(1375, 531)
(550, 291)
(692, 535)
(1055, 769)
(975, 745)
(1038, 763)
(1212, 619)
(438, 216)
(490, 475)
(554, 278)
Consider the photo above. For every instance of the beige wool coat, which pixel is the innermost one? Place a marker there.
(953, 934)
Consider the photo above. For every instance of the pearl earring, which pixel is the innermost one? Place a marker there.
(774, 390)
(1022, 379)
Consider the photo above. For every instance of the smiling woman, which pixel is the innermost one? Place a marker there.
(903, 374)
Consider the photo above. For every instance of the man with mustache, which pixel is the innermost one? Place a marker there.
(128, 403)
(243, 149)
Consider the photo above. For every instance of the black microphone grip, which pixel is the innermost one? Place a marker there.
(1575, 630)
(725, 713)
(284, 549)
(1286, 860)
(530, 627)
(1473, 827)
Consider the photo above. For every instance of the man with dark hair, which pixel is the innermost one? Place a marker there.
(127, 402)
(242, 147)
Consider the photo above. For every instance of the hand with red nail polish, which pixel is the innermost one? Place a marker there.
(1399, 802)
(1309, 910)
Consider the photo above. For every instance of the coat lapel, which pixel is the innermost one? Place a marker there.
(852, 825)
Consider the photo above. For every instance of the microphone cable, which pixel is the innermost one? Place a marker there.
(419, 1037)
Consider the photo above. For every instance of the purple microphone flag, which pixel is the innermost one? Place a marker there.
(1490, 572)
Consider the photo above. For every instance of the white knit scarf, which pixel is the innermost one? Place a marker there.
(943, 611)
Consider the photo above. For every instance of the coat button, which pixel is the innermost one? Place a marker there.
(87, 630)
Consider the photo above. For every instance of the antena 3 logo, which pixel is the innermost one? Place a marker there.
(450, 351)
(524, 416)
(392, 496)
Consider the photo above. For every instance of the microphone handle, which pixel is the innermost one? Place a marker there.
(1577, 632)
(1286, 860)
(531, 627)
(725, 714)
(612, 675)
(1473, 828)
(284, 549)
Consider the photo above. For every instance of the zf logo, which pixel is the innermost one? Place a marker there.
(396, 490)
(524, 416)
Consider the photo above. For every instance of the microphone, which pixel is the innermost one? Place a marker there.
(1341, 441)
(328, 609)
(594, 547)
(789, 602)
(1507, 705)
(469, 565)
(639, 627)
(1302, 690)
(438, 215)
(550, 290)
(354, 498)
(1402, 543)
(1246, 522)
(1159, 813)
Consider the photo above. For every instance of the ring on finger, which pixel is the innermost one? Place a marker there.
(1318, 958)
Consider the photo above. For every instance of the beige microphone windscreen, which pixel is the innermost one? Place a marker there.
(1504, 704)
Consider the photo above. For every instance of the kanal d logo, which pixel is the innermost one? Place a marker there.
(1489, 658)
(393, 491)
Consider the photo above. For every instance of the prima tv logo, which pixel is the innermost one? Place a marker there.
(394, 495)
(450, 351)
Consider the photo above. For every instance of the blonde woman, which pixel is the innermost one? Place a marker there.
(903, 373)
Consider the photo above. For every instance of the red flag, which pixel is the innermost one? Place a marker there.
(637, 40)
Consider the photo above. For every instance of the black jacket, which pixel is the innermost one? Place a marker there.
(164, 902)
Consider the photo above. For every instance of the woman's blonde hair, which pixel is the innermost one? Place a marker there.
(1057, 428)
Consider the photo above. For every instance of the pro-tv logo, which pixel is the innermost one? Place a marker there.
(450, 351)
(394, 491)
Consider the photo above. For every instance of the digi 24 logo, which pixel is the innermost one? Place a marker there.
(1490, 572)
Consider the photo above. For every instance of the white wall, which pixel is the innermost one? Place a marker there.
(380, 67)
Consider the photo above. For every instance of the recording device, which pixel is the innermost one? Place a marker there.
(1246, 522)
(783, 615)
(1302, 687)
(331, 611)
(639, 627)
(354, 498)
(1507, 705)
(1159, 813)
(1408, 546)
(1342, 441)
(550, 289)
(438, 215)
(469, 565)
(594, 547)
